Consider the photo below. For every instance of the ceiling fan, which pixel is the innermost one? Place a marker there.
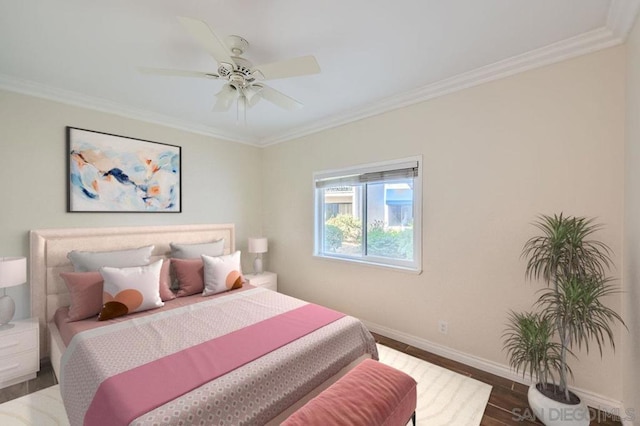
(244, 81)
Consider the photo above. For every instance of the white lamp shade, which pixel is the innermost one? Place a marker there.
(258, 245)
(13, 271)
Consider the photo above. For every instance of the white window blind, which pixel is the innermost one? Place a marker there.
(384, 174)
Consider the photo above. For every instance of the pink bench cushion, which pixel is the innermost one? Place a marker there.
(371, 394)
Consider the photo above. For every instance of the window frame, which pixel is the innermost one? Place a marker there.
(415, 265)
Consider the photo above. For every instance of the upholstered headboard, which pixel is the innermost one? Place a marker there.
(49, 248)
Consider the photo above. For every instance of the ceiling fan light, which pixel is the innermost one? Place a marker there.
(251, 91)
(225, 98)
(241, 109)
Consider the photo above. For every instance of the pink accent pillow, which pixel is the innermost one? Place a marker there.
(85, 289)
(190, 275)
(165, 282)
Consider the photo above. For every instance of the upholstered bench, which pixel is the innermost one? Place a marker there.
(371, 394)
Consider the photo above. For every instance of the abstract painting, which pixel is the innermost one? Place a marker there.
(110, 173)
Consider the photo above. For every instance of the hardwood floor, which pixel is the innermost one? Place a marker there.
(507, 397)
(508, 401)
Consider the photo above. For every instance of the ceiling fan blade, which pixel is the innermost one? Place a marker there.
(278, 98)
(208, 39)
(177, 73)
(303, 65)
(225, 98)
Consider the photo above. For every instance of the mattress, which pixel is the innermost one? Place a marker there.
(204, 334)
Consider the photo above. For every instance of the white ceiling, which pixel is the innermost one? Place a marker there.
(374, 55)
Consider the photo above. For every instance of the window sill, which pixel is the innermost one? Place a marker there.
(405, 269)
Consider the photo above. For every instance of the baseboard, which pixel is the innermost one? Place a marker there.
(592, 399)
(628, 420)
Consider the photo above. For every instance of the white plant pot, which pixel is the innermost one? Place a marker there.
(554, 413)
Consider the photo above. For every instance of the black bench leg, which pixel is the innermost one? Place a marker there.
(413, 418)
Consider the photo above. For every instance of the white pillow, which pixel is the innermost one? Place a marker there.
(194, 251)
(128, 290)
(88, 261)
(222, 273)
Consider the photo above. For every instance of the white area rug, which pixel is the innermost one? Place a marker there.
(42, 408)
(444, 397)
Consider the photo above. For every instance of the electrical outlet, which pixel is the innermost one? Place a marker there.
(443, 326)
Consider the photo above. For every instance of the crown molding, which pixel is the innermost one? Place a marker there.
(582, 44)
(620, 19)
(68, 97)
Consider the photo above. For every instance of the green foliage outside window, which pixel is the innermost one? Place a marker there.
(397, 244)
(333, 238)
(351, 227)
(381, 241)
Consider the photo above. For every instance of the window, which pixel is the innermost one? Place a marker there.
(371, 214)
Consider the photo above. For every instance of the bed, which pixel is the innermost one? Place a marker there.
(261, 388)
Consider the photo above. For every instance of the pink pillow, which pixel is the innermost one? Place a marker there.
(165, 282)
(85, 289)
(190, 275)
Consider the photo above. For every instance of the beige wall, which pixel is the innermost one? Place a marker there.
(218, 178)
(631, 298)
(495, 156)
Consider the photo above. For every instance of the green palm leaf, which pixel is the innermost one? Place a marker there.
(571, 313)
(564, 249)
(577, 307)
(528, 340)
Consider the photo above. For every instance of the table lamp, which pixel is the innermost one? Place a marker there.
(257, 246)
(13, 271)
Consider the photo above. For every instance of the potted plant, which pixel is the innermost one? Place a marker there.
(570, 314)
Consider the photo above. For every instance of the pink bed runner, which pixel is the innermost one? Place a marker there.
(123, 397)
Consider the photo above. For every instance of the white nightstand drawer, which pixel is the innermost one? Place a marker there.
(18, 365)
(266, 279)
(18, 341)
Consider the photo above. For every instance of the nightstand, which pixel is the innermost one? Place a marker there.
(19, 352)
(266, 279)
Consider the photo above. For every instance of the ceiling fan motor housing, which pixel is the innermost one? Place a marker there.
(237, 45)
(240, 74)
